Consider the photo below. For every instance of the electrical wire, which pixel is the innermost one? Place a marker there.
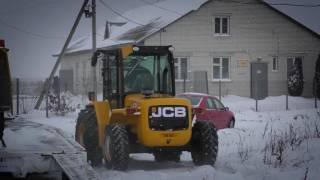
(160, 7)
(28, 32)
(119, 14)
(274, 4)
(297, 5)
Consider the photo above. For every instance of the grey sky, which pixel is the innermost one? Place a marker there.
(36, 29)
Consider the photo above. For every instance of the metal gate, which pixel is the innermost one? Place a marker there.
(66, 80)
(200, 82)
(259, 80)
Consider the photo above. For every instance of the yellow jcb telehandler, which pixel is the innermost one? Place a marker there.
(139, 112)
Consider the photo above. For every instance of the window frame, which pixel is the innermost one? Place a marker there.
(221, 17)
(221, 68)
(275, 67)
(178, 65)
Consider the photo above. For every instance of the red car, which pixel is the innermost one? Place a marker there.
(209, 108)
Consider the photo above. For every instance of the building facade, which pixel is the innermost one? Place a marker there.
(245, 49)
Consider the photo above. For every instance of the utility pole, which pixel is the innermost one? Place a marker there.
(65, 46)
(94, 45)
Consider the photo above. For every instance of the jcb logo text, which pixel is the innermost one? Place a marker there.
(169, 112)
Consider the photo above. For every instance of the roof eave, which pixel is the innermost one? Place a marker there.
(291, 19)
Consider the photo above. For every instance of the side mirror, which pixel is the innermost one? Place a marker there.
(198, 110)
(92, 96)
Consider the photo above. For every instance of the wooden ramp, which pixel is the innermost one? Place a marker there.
(37, 148)
(75, 167)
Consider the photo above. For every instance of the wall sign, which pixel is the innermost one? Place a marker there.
(242, 63)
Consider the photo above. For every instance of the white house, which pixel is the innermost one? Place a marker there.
(245, 45)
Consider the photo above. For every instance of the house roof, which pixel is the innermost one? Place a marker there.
(144, 21)
(295, 15)
(148, 19)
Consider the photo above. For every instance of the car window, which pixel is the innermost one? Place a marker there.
(195, 100)
(210, 104)
(218, 104)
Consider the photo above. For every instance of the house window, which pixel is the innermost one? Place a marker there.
(221, 68)
(291, 61)
(181, 66)
(221, 25)
(275, 63)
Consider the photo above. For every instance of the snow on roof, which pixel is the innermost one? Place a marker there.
(150, 18)
(146, 20)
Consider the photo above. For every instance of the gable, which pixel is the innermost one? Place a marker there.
(246, 19)
(150, 19)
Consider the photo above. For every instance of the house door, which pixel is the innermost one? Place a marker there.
(259, 80)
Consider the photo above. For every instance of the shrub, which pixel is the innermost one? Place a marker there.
(295, 79)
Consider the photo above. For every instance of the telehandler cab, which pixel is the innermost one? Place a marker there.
(139, 112)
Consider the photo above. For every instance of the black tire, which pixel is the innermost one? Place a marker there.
(232, 123)
(116, 147)
(164, 155)
(87, 135)
(204, 143)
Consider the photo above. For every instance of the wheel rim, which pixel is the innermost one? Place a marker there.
(107, 153)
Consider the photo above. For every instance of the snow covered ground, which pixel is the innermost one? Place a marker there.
(269, 144)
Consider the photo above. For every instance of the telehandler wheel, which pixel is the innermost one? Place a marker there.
(204, 143)
(116, 147)
(87, 135)
(163, 155)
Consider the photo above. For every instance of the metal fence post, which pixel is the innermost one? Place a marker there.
(184, 81)
(17, 96)
(220, 89)
(256, 95)
(287, 101)
(315, 94)
(47, 102)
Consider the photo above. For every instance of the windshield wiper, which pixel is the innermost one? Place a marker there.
(139, 60)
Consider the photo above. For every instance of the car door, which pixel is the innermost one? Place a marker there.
(213, 115)
(222, 115)
(203, 114)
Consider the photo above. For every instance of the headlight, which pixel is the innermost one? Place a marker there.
(171, 49)
(135, 48)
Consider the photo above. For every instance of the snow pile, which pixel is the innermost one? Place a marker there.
(270, 144)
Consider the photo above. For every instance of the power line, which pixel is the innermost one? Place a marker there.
(119, 14)
(275, 4)
(28, 32)
(297, 5)
(160, 7)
